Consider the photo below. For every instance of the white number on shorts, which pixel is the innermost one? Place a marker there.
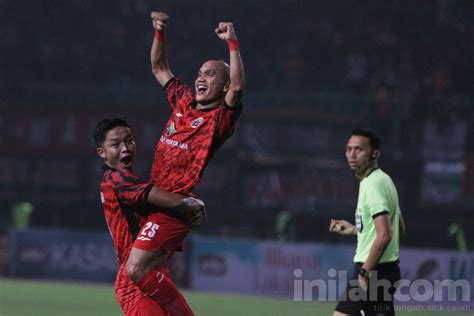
(152, 227)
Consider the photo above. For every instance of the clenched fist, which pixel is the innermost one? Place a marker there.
(225, 31)
(159, 20)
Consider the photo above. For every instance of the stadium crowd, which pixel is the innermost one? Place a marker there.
(418, 48)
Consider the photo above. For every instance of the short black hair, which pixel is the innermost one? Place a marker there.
(106, 125)
(374, 140)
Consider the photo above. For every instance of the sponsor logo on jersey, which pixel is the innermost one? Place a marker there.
(179, 114)
(170, 130)
(197, 122)
(174, 143)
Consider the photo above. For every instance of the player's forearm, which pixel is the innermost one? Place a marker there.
(237, 76)
(173, 201)
(159, 59)
(377, 250)
(165, 199)
(158, 55)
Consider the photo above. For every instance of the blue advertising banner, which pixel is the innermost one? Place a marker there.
(267, 267)
(433, 280)
(57, 254)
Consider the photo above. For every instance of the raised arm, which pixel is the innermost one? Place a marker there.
(159, 60)
(225, 31)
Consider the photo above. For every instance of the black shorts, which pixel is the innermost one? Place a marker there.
(378, 299)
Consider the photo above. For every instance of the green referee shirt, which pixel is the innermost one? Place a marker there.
(377, 196)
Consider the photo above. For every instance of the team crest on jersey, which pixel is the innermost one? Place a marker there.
(197, 122)
(170, 130)
(179, 114)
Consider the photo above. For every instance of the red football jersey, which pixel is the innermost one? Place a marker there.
(190, 139)
(124, 197)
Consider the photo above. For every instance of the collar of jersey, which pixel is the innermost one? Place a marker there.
(194, 106)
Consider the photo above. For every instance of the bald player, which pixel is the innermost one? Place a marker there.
(203, 118)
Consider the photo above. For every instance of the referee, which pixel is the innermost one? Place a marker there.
(378, 225)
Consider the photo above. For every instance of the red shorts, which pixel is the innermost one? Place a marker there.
(146, 307)
(162, 231)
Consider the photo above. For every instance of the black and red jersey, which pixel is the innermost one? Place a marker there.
(124, 198)
(190, 139)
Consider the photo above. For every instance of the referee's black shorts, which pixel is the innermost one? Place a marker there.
(354, 299)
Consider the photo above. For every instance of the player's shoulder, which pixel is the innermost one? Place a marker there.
(117, 178)
(179, 94)
(169, 83)
(175, 84)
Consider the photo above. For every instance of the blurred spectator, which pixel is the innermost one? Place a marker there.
(285, 225)
(21, 213)
(455, 231)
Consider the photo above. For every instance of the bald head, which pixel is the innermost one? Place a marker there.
(222, 67)
(212, 82)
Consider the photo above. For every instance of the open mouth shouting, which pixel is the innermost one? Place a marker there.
(127, 160)
(201, 88)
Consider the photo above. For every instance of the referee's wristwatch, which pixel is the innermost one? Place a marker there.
(364, 273)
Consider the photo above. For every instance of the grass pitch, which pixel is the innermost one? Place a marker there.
(23, 298)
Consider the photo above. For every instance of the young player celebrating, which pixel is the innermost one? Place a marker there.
(202, 120)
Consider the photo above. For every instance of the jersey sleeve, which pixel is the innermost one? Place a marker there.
(227, 119)
(377, 199)
(130, 189)
(177, 93)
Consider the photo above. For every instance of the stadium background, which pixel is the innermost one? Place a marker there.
(315, 70)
